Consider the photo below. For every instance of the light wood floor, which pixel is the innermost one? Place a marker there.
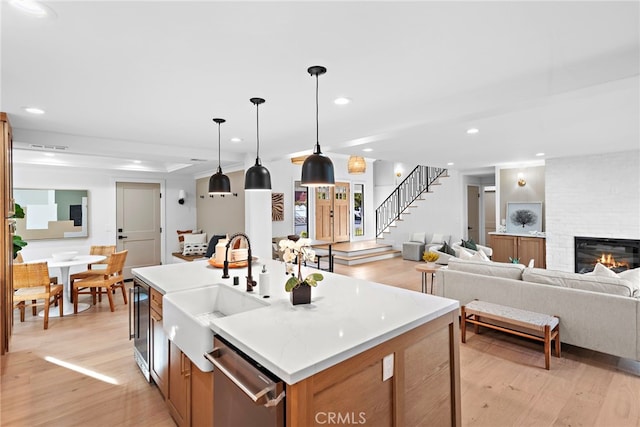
(503, 379)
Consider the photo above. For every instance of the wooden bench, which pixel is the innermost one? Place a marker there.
(548, 326)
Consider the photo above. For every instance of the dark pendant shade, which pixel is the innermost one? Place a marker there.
(219, 183)
(317, 170)
(257, 178)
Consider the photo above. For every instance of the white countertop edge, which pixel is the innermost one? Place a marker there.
(295, 377)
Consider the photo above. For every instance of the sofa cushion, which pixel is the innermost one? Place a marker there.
(480, 256)
(593, 283)
(495, 269)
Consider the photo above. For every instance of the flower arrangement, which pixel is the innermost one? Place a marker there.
(430, 256)
(301, 251)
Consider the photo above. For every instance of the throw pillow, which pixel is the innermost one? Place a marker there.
(464, 254)
(469, 244)
(194, 249)
(601, 270)
(633, 276)
(437, 238)
(447, 249)
(418, 237)
(480, 256)
(195, 238)
(181, 234)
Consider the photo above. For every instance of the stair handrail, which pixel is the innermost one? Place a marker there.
(417, 182)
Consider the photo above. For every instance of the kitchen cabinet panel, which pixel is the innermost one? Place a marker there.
(179, 390)
(159, 345)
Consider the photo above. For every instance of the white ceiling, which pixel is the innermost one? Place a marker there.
(142, 80)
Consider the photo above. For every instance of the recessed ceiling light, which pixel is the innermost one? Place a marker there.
(137, 162)
(450, 164)
(49, 154)
(367, 149)
(341, 101)
(33, 8)
(33, 110)
(472, 131)
(236, 139)
(539, 154)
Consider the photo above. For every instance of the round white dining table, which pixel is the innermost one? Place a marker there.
(64, 267)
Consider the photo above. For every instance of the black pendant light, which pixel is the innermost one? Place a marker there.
(257, 176)
(317, 169)
(219, 183)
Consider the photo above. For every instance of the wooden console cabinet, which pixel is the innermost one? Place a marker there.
(524, 248)
(424, 388)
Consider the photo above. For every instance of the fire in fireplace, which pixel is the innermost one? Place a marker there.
(616, 254)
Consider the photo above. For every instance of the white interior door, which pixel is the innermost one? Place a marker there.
(138, 223)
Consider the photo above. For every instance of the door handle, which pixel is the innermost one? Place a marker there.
(122, 237)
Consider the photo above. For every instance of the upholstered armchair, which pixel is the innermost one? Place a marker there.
(414, 248)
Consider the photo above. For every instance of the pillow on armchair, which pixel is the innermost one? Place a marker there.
(418, 237)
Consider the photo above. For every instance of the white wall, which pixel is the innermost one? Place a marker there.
(592, 196)
(102, 205)
(441, 212)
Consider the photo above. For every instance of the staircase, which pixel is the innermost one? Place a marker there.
(417, 183)
(354, 253)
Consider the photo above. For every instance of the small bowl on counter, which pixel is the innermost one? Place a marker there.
(64, 256)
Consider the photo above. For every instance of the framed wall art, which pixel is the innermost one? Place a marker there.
(523, 217)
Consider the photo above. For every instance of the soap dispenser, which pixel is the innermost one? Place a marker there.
(264, 282)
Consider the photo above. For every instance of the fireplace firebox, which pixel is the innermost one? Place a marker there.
(616, 254)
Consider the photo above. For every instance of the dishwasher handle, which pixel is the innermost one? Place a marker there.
(260, 397)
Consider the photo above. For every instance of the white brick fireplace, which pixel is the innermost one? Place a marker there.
(597, 196)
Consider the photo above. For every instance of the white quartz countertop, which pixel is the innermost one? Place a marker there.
(346, 316)
(181, 276)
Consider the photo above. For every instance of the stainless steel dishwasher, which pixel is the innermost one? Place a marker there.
(245, 393)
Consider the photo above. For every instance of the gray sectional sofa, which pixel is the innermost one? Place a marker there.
(597, 313)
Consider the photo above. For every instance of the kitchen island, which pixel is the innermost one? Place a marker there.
(361, 350)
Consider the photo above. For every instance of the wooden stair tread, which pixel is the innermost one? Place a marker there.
(371, 255)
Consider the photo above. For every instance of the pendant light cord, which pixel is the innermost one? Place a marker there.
(317, 121)
(257, 136)
(219, 168)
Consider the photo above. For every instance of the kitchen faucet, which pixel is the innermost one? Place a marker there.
(250, 282)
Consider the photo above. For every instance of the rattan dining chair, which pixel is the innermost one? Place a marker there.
(111, 278)
(95, 272)
(31, 282)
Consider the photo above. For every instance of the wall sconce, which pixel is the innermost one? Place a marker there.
(521, 181)
(398, 174)
(181, 197)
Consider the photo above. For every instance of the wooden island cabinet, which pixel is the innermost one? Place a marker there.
(525, 248)
(423, 388)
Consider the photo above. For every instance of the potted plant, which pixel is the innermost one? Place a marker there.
(299, 251)
(18, 243)
(430, 258)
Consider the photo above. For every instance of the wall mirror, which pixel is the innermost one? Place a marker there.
(52, 214)
(358, 209)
